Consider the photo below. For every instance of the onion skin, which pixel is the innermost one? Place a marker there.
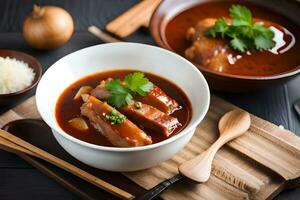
(48, 27)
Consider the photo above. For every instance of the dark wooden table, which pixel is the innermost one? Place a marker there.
(18, 180)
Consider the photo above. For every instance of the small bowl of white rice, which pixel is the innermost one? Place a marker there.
(19, 74)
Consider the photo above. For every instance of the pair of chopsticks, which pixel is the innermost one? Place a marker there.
(127, 23)
(14, 144)
(136, 17)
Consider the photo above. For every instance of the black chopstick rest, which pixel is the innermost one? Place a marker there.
(158, 189)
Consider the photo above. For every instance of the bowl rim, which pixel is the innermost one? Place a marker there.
(182, 133)
(156, 34)
(37, 69)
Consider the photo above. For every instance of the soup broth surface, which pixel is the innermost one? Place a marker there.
(67, 108)
(259, 63)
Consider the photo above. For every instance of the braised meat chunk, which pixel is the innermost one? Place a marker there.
(156, 98)
(146, 116)
(100, 91)
(125, 134)
(206, 51)
(160, 100)
(149, 117)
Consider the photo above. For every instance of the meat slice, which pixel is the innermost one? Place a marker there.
(207, 51)
(151, 118)
(126, 134)
(147, 116)
(156, 98)
(160, 100)
(100, 91)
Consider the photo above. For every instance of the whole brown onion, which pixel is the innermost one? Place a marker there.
(48, 27)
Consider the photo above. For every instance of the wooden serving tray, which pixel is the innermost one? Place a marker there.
(258, 165)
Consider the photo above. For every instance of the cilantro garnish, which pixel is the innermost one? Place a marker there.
(122, 94)
(119, 95)
(243, 34)
(138, 83)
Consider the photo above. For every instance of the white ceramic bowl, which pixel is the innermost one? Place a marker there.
(133, 56)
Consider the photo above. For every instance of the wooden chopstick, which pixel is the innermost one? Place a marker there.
(137, 16)
(13, 148)
(102, 35)
(15, 144)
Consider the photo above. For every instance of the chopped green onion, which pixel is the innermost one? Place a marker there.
(138, 104)
(114, 118)
(114, 112)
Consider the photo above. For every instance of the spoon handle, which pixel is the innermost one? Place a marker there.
(199, 168)
(158, 189)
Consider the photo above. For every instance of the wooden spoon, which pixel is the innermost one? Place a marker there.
(232, 125)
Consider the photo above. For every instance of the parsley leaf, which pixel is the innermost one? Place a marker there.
(221, 26)
(238, 44)
(243, 34)
(262, 43)
(119, 95)
(240, 15)
(262, 35)
(138, 83)
(122, 94)
(260, 29)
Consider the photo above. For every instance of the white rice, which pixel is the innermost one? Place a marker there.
(15, 75)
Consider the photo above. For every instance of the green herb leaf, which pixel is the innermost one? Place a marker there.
(243, 34)
(245, 31)
(238, 44)
(259, 29)
(263, 43)
(122, 94)
(240, 15)
(119, 95)
(138, 83)
(221, 26)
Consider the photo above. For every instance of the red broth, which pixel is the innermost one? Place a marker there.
(67, 108)
(259, 63)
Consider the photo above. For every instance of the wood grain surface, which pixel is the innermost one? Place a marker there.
(273, 104)
(136, 17)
